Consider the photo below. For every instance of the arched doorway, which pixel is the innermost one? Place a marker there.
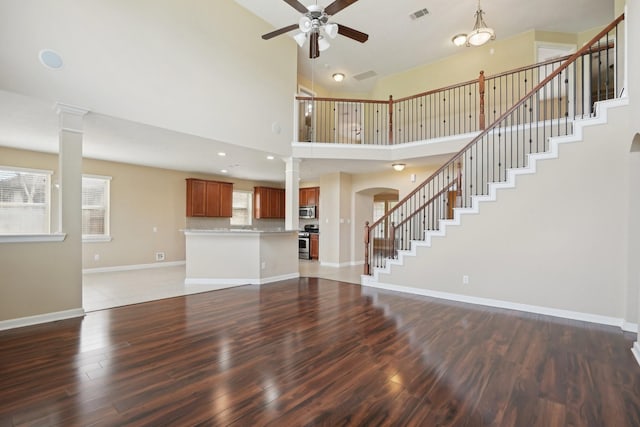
(370, 204)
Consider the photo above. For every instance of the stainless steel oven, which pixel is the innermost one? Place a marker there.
(304, 243)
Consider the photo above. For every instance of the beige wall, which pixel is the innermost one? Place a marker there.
(558, 240)
(633, 134)
(507, 54)
(45, 277)
(141, 198)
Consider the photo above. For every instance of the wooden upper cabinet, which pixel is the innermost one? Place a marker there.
(226, 199)
(196, 197)
(209, 198)
(268, 202)
(310, 196)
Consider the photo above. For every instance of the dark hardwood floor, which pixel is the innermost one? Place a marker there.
(317, 352)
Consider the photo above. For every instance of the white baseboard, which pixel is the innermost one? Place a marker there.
(548, 311)
(228, 283)
(132, 267)
(629, 327)
(41, 318)
(340, 265)
(636, 351)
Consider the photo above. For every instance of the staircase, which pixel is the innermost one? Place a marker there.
(555, 112)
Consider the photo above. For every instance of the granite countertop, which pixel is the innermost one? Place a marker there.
(236, 231)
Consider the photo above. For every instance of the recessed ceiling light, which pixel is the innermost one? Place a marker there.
(50, 59)
(222, 154)
(270, 157)
(224, 171)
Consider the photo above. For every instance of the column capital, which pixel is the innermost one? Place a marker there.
(70, 117)
(292, 163)
(61, 108)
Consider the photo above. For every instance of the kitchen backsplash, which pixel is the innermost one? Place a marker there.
(196, 223)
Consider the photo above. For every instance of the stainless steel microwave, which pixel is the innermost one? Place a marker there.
(307, 212)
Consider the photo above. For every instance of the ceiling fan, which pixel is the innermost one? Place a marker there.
(315, 25)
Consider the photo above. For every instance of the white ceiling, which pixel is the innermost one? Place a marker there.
(396, 43)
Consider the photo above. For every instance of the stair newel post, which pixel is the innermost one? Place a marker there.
(390, 119)
(481, 92)
(367, 269)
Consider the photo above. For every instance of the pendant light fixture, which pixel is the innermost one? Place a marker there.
(481, 33)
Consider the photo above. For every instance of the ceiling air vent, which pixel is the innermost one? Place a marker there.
(419, 14)
(365, 75)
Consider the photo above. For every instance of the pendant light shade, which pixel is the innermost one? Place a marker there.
(305, 24)
(481, 33)
(331, 30)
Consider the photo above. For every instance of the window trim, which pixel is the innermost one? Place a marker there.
(106, 237)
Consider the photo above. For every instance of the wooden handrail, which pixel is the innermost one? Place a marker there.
(544, 63)
(582, 51)
(426, 203)
(364, 101)
(434, 91)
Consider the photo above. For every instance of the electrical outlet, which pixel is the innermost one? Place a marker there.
(96, 257)
(465, 280)
(159, 256)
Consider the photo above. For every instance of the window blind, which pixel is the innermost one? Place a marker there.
(24, 201)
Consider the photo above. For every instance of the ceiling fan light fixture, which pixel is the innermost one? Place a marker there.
(338, 77)
(305, 24)
(331, 30)
(300, 38)
(481, 33)
(459, 39)
(314, 25)
(323, 44)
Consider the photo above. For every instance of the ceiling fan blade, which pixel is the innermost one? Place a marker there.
(337, 6)
(282, 30)
(297, 6)
(352, 34)
(314, 47)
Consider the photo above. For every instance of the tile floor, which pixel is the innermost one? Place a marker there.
(107, 290)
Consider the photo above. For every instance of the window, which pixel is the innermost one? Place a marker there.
(25, 197)
(380, 209)
(95, 207)
(241, 207)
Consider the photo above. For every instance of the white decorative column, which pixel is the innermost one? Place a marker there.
(292, 199)
(70, 133)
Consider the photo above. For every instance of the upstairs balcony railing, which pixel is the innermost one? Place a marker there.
(453, 110)
(530, 105)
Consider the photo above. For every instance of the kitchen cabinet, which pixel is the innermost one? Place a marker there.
(209, 198)
(314, 246)
(310, 196)
(268, 202)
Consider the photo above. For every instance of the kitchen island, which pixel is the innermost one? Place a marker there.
(233, 257)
